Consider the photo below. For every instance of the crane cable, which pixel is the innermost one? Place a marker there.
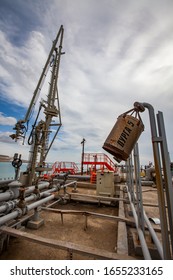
(30, 138)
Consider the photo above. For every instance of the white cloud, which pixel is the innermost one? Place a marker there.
(116, 54)
(7, 120)
(21, 67)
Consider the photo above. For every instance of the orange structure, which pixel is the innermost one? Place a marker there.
(64, 166)
(100, 161)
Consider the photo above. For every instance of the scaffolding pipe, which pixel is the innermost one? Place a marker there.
(144, 247)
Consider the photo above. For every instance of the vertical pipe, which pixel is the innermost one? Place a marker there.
(138, 188)
(82, 157)
(167, 172)
(159, 182)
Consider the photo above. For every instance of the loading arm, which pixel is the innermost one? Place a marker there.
(21, 126)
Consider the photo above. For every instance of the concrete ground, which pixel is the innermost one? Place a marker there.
(100, 233)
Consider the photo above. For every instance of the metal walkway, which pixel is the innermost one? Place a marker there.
(100, 160)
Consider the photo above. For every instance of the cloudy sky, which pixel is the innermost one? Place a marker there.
(116, 53)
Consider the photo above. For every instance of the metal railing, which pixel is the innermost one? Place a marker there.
(99, 159)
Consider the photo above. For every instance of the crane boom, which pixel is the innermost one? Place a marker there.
(20, 127)
(41, 129)
(43, 75)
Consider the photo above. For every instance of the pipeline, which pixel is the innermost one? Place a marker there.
(153, 234)
(17, 213)
(9, 205)
(13, 191)
(144, 247)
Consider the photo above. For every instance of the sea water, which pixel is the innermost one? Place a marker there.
(7, 171)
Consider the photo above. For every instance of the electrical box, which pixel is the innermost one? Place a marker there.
(105, 183)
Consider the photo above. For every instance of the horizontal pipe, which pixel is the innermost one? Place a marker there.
(8, 217)
(4, 183)
(16, 213)
(3, 208)
(9, 205)
(6, 196)
(41, 186)
(39, 202)
(46, 193)
(80, 176)
(10, 194)
(46, 199)
(29, 207)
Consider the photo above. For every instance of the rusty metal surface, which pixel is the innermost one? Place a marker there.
(123, 137)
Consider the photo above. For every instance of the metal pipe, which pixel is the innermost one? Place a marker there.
(68, 184)
(10, 216)
(138, 195)
(18, 212)
(4, 183)
(144, 247)
(6, 196)
(30, 198)
(41, 186)
(3, 208)
(167, 172)
(12, 204)
(159, 182)
(39, 202)
(46, 199)
(153, 235)
(9, 205)
(86, 177)
(10, 194)
(34, 205)
(45, 193)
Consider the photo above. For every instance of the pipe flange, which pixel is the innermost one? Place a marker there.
(11, 194)
(9, 206)
(20, 212)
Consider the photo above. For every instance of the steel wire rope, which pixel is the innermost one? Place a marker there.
(30, 138)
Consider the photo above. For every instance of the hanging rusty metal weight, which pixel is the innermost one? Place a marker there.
(123, 136)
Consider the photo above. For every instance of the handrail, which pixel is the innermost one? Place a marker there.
(98, 159)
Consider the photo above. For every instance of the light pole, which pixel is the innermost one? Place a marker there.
(82, 158)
